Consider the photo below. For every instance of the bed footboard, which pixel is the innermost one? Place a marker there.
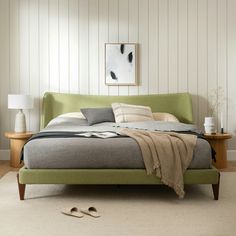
(110, 177)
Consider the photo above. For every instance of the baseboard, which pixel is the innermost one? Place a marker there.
(231, 155)
(4, 154)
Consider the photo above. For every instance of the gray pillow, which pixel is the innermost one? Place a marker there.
(98, 115)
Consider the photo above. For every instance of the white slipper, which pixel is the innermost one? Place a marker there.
(91, 211)
(74, 211)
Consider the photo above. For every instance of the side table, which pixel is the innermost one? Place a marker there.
(218, 142)
(17, 141)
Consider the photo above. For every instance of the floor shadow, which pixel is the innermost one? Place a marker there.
(117, 192)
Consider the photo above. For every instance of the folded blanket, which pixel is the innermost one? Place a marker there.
(165, 154)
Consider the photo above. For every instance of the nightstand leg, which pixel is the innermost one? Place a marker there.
(21, 188)
(216, 189)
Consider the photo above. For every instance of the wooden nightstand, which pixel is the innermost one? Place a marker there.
(218, 142)
(17, 141)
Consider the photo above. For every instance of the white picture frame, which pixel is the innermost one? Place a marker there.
(121, 64)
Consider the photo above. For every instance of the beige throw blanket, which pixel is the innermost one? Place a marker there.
(165, 154)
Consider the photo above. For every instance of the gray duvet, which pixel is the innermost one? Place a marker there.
(92, 152)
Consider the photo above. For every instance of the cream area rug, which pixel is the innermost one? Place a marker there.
(125, 210)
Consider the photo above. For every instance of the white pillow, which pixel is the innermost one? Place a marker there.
(131, 113)
(73, 115)
(162, 116)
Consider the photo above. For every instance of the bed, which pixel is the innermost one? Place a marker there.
(55, 104)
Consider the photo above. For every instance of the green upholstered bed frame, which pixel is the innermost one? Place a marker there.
(54, 104)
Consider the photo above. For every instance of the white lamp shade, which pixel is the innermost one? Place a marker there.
(19, 101)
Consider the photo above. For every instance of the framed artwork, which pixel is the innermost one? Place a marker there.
(120, 64)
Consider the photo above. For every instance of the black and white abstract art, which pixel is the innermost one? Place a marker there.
(120, 60)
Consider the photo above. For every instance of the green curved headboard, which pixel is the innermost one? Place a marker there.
(54, 104)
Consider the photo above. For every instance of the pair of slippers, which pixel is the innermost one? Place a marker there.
(74, 211)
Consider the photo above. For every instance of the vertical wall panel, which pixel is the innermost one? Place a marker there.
(93, 47)
(54, 59)
(153, 46)
(123, 32)
(73, 46)
(113, 37)
(4, 69)
(14, 79)
(182, 45)
(212, 50)
(134, 36)
(231, 70)
(222, 59)
(202, 61)
(24, 46)
(143, 46)
(14, 46)
(44, 72)
(34, 62)
(192, 55)
(24, 52)
(173, 46)
(163, 46)
(83, 46)
(63, 50)
(103, 38)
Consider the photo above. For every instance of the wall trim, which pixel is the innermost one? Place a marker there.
(4, 154)
(231, 155)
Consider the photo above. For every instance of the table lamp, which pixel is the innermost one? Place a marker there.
(20, 102)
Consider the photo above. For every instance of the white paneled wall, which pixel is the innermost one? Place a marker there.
(58, 45)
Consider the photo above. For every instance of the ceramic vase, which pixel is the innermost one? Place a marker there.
(209, 125)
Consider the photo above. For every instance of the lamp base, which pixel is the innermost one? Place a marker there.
(20, 125)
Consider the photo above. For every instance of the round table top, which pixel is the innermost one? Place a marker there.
(218, 136)
(15, 135)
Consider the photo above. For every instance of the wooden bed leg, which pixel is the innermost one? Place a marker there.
(21, 188)
(216, 188)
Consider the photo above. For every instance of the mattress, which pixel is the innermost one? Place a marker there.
(83, 152)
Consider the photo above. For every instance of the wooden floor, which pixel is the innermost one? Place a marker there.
(231, 167)
(5, 167)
